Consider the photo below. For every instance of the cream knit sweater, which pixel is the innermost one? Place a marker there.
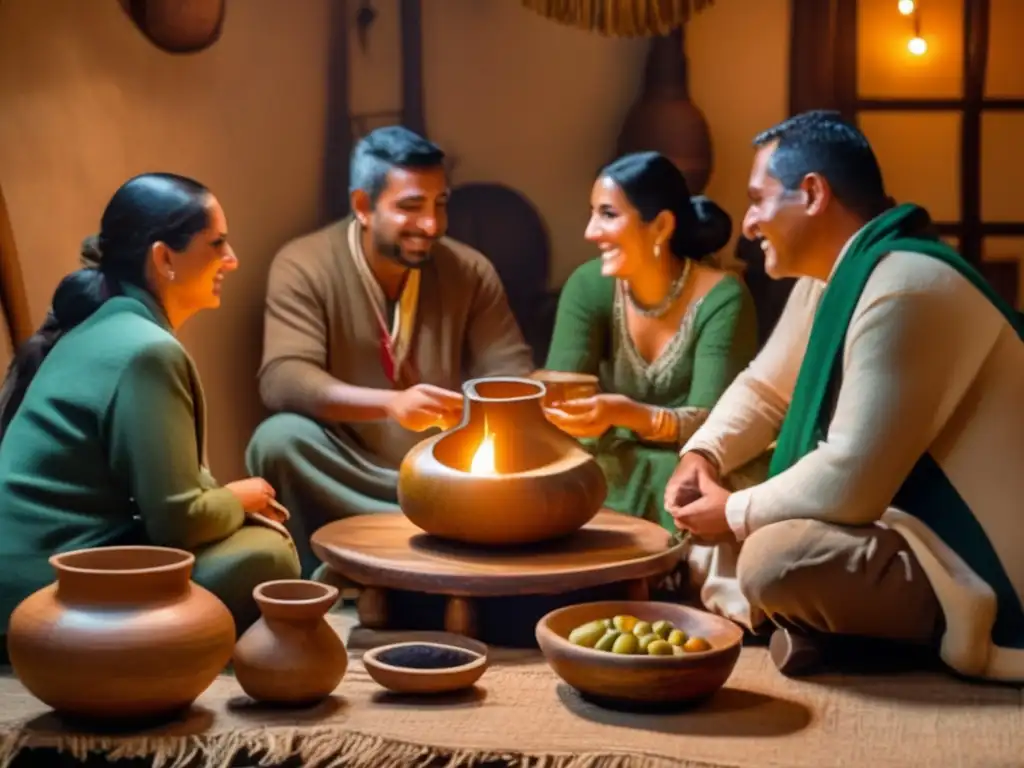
(929, 365)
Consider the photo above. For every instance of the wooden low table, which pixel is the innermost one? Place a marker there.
(385, 552)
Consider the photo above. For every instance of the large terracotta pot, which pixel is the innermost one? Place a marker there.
(291, 655)
(123, 634)
(664, 119)
(540, 485)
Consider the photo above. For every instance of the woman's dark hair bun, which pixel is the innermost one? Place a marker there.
(713, 230)
(77, 296)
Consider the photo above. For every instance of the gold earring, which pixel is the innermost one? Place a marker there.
(657, 250)
(170, 275)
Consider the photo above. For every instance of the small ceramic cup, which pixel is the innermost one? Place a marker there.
(563, 386)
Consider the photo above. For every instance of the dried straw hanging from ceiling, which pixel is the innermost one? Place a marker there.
(619, 18)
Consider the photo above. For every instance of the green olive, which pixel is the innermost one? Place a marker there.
(676, 637)
(677, 650)
(659, 648)
(646, 640)
(587, 635)
(625, 643)
(607, 640)
(662, 628)
(607, 623)
(642, 628)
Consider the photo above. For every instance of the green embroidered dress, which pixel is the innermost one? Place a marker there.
(716, 339)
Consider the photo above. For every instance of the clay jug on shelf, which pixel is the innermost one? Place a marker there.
(123, 634)
(178, 26)
(663, 119)
(504, 476)
(291, 655)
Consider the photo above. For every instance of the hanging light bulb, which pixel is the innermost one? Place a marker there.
(907, 7)
(917, 46)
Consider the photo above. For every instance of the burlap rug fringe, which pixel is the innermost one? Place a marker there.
(317, 748)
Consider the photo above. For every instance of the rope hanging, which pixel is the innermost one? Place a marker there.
(620, 18)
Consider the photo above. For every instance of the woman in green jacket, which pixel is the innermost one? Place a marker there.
(664, 332)
(102, 416)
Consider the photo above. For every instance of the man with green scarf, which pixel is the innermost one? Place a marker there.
(893, 390)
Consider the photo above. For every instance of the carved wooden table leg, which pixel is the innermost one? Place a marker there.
(638, 589)
(372, 607)
(460, 617)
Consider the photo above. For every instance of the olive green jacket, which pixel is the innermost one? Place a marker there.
(107, 448)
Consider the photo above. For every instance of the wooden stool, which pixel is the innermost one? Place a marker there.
(385, 552)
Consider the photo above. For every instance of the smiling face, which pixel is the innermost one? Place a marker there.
(626, 242)
(775, 216)
(409, 216)
(192, 278)
(788, 222)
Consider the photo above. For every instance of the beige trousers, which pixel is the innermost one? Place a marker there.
(815, 577)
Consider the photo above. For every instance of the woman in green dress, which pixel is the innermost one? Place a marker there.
(102, 416)
(664, 332)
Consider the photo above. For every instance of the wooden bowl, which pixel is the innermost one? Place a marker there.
(436, 663)
(640, 681)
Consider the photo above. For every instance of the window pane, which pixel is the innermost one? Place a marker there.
(1005, 75)
(1002, 158)
(999, 254)
(886, 68)
(920, 157)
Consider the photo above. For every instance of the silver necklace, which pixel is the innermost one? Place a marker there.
(663, 306)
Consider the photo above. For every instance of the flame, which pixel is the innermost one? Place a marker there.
(483, 459)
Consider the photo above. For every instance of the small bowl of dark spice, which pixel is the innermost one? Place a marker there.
(438, 665)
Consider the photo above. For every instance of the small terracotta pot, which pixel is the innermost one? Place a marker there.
(291, 655)
(123, 634)
(562, 386)
(542, 485)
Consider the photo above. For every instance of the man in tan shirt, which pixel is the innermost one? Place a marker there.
(899, 519)
(372, 325)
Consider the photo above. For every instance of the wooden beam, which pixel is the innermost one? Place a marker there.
(986, 228)
(936, 105)
(976, 24)
(413, 114)
(823, 55)
(12, 284)
(810, 40)
(845, 57)
(334, 202)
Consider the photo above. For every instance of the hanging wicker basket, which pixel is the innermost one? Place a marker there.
(620, 18)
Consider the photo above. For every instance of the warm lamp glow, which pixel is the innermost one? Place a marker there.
(906, 7)
(917, 46)
(483, 459)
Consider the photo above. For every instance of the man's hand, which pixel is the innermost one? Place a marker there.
(254, 493)
(684, 486)
(705, 518)
(423, 406)
(696, 499)
(592, 416)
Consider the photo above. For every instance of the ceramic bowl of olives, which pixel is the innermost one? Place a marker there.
(640, 654)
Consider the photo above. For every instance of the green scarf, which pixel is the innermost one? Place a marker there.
(927, 493)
